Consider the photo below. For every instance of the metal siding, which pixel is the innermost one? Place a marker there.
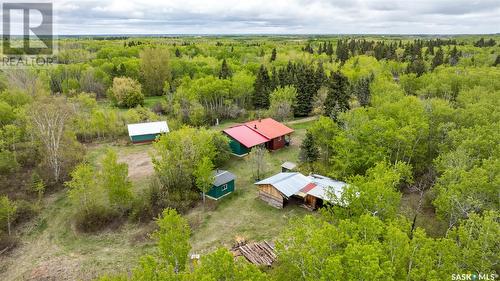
(216, 191)
(143, 138)
(237, 148)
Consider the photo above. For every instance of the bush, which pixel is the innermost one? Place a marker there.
(142, 209)
(8, 163)
(96, 219)
(25, 211)
(180, 200)
(126, 92)
(7, 243)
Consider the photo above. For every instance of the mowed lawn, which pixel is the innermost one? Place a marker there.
(52, 249)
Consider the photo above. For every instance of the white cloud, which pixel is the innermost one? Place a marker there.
(276, 16)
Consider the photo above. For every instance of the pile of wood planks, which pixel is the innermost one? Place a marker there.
(257, 253)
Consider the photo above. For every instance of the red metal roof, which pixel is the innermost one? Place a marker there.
(308, 187)
(246, 136)
(269, 128)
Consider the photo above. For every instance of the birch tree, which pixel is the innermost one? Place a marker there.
(49, 120)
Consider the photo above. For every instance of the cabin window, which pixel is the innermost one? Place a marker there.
(224, 187)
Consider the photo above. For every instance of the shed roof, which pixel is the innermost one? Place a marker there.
(246, 136)
(287, 183)
(221, 177)
(324, 185)
(289, 165)
(269, 128)
(149, 128)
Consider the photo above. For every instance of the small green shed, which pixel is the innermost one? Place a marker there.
(146, 132)
(223, 184)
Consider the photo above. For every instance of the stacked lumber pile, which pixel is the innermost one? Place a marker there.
(256, 253)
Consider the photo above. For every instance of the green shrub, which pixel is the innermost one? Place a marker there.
(25, 211)
(8, 163)
(126, 92)
(95, 219)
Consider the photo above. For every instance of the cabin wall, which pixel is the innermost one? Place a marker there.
(216, 192)
(237, 148)
(143, 138)
(276, 143)
(310, 201)
(270, 195)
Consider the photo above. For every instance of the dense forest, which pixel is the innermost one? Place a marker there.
(412, 124)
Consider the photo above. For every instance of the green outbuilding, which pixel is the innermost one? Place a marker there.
(223, 184)
(237, 148)
(146, 132)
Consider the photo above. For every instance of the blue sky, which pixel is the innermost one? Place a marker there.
(277, 16)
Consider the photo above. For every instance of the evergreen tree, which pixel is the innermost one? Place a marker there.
(337, 99)
(225, 72)
(497, 61)
(178, 53)
(309, 152)
(306, 87)
(362, 90)
(308, 48)
(273, 55)
(320, 75)
(329, 49)
(416, 66)
(8, 210)
(438, 58)
(121, 70)
(342, 52)
(262, 89)
(479, 43)
(454, 56)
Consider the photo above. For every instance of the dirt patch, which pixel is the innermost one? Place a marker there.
(139, 164)
(61, 268)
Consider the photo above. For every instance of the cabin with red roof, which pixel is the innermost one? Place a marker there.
(268, 132)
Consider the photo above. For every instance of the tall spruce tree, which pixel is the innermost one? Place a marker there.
(306, 88)
(342, 51)
(262, 89)
(309, 151)
(225, 72)
(454, 56)
(438, 58)
(337, 99)
(362, 90)
(273, 55)
(329, 49)
(497, 61)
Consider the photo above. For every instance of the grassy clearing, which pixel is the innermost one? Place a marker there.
(242, 214)
(52, 249)
(150, 102)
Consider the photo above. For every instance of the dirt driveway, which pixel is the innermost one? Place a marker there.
(139, 163)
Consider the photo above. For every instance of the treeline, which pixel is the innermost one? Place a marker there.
(485, 43)
(307, 81)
